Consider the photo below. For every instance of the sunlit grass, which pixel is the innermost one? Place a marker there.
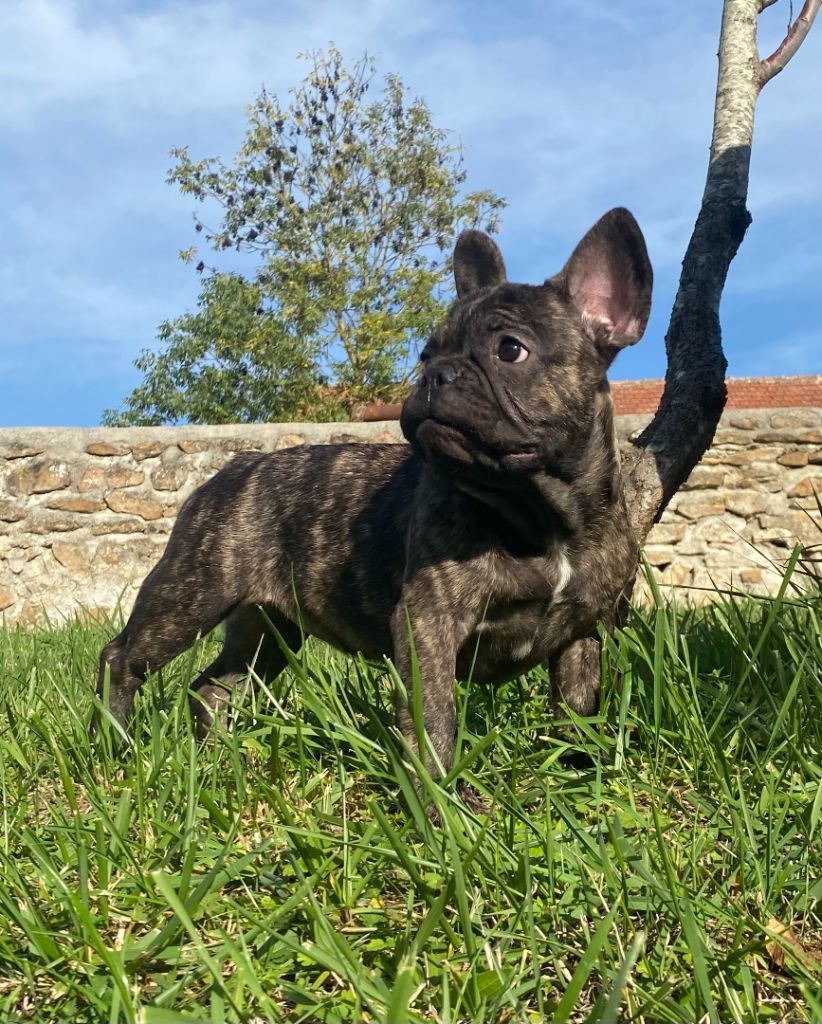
(288, 870)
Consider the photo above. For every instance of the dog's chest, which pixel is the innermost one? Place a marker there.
(532, 611)
(514, 639)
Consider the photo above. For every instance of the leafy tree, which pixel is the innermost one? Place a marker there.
(349, 209)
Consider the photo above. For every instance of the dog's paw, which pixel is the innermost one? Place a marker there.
(472, 799)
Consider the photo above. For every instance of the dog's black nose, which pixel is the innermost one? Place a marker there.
(438, 375)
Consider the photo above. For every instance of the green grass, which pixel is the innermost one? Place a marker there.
(289, 871)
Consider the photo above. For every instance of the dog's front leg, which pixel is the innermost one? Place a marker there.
(429, 635)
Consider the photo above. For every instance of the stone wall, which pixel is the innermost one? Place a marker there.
(86, 513)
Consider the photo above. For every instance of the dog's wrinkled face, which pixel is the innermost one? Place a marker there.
(509, 381)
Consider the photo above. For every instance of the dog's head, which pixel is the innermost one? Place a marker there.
(509, 382)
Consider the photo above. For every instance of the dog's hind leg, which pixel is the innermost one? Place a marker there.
(248, 643)
(575, 676)
(176, 604)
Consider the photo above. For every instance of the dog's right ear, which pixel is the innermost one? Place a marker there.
(478, 263)
(609, 279)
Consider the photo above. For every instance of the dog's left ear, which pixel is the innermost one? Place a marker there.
(609, 279)
(478, 263)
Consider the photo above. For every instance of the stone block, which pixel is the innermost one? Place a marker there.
(787, 521)
(18, 558)
(20, 451)
(169, 477)
(724, 436)
(674, 575)
(742, 422)
(133, 504)
(810, 504)
(666, 533)
(74, 557)
(789, 435)
(659, 554)
(44, 522)
(724, 558)
(754, 477)
(31, 614)
(119, 524)
(691, 546)
(134, 553)
(796, 418)
(703, 477)
(39, 478)
(718, 530)
(746, 503)
(241, 444)
(11, 511)
(795, 525)
(697, 506)
(98, 478)
(807, 487)
(85, 506)
(774, 535)
(106, 448)
(288, 441)
(149, 450)
(193, 447)
(793, 459)
(748, 455)
(7, 599)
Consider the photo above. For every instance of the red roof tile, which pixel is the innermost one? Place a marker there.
(642, 396)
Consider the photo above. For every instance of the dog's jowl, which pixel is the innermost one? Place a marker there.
(498, 538)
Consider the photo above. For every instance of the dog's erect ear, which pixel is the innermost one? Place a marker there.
(477, 263)
(608, 279)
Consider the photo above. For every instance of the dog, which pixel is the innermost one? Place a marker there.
(496, 540)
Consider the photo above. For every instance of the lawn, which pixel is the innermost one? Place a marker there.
(288, 870)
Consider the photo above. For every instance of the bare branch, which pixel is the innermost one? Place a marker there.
(778, 60)
(764, 4)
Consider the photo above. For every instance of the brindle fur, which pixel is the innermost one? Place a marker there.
(498, 539)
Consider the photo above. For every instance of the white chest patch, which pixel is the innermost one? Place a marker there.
(522, 650)
(564, 572)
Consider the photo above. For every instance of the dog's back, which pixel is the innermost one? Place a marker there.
(251, 522)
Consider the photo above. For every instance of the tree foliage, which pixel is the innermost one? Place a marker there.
(348, 209)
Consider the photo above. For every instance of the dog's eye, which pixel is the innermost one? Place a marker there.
(512, 351)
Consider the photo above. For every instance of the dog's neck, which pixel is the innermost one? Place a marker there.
(564, 502)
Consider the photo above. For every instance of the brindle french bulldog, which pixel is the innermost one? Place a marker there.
(497, 540)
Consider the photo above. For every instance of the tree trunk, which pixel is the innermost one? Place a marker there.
(694, 396)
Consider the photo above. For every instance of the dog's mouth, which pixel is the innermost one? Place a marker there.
(434, 428)
(445, 439)
(521, 461)
(466, 446)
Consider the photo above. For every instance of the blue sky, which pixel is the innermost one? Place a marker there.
(565, 108)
